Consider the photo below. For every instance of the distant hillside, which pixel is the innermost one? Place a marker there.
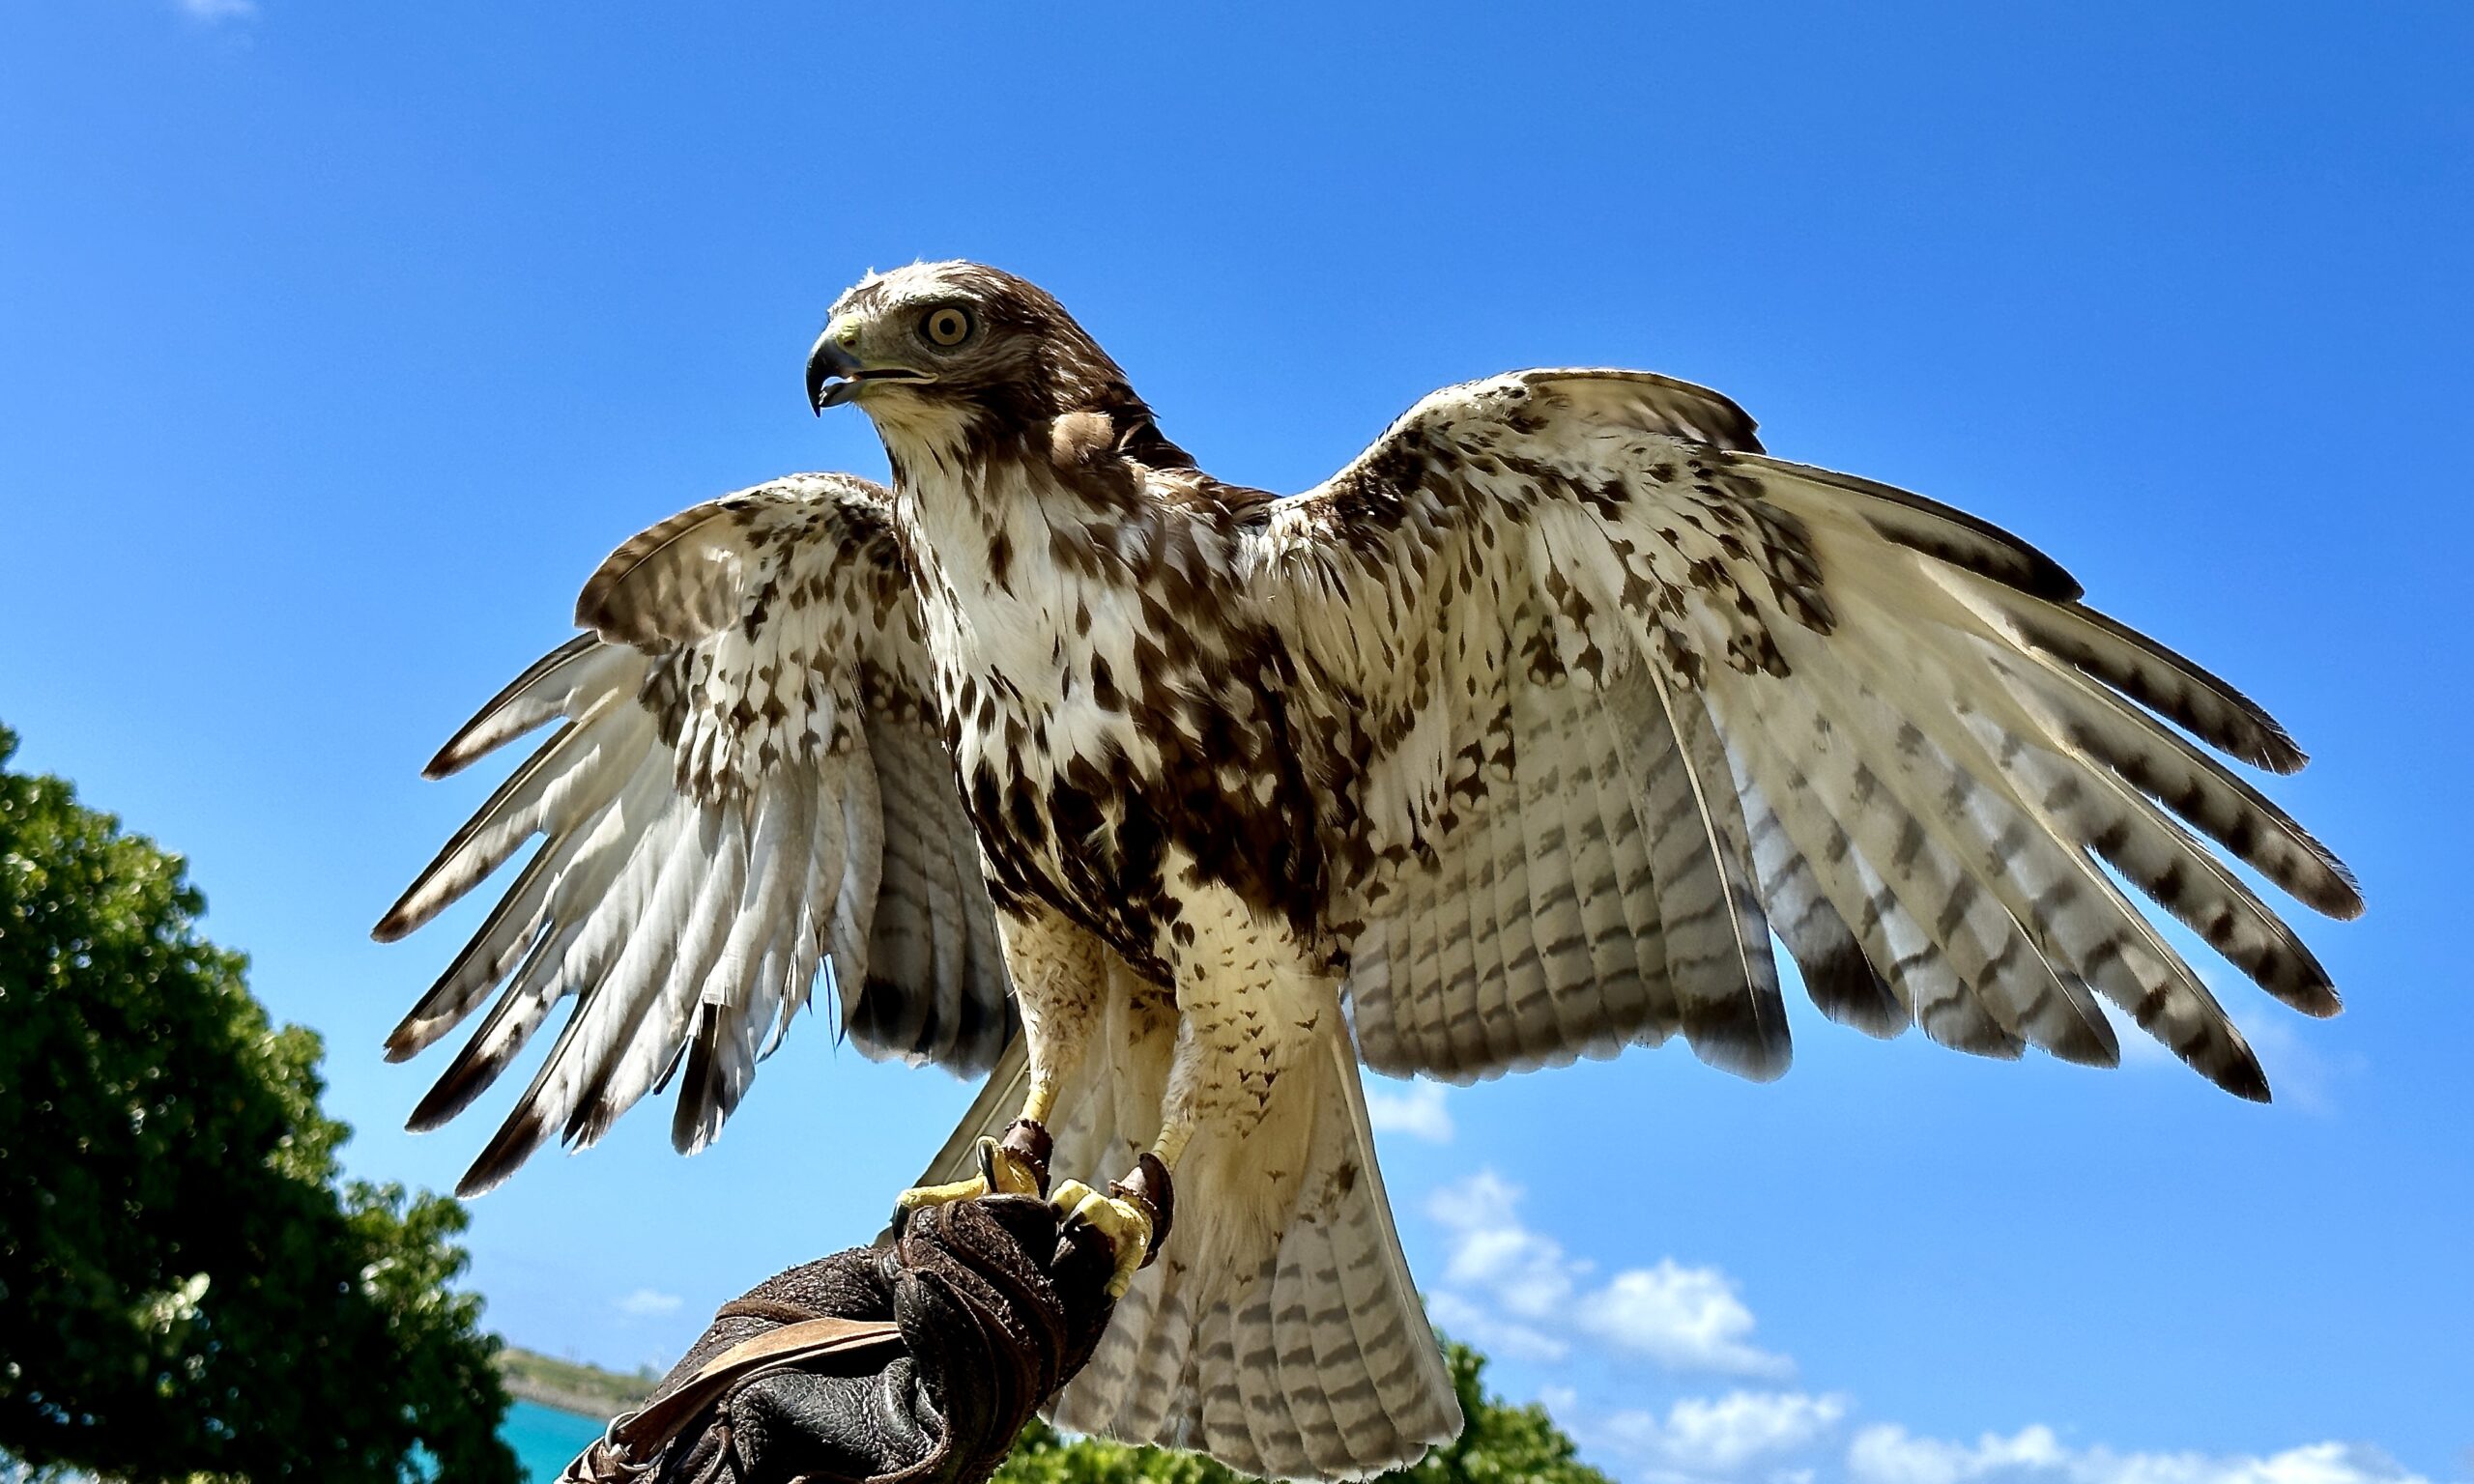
(571, 1385)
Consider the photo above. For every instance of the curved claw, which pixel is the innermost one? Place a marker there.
(1126, 1225)
(1015, 1167)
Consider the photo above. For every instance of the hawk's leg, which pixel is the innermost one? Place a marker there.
(1059, 972)
(1248, 1008)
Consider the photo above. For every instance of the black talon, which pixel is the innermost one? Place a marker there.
(1148, 1188)
(1029, 1141)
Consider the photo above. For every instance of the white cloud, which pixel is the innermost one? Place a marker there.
(1506, 1281)
(1887, 1454)
(1687, 1318)
(1513, 1292)
(1523, 1271)
(1417, 1110)
(218, 9)
(1884, 1454)
(1705, 1436)
(649, 1303)
(1749, 1437)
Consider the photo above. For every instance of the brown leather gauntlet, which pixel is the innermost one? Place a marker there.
(914, 1364)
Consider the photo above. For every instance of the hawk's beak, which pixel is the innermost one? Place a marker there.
(834, 374)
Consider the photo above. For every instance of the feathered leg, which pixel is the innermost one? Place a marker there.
(1059, 973)
(1280, 1331)
(1248, 1009)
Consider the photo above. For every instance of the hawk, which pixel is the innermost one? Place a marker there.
(1171, 800)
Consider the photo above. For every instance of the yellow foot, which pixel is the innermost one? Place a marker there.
(1017, 1165)
(1135, 1216)
(1126, 1225)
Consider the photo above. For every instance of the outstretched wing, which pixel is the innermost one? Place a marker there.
(748, 786)
(1623, 697)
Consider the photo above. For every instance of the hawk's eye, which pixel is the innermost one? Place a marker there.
(947, 327)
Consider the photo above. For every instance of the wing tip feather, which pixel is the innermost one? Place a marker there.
(397, 925)
(514, 1143)
(2260, 740)
(455, 756)
(1948, 533)
(451, 1094)
(476, 1067)
(2276, 751)
(2245, 1080)
(472, 741)
(2093, 1045)
(1755, 1057)
(2219, 1053)
(2346, 904)
(704, 1100)
(1846, 988)
(2321, 1002)
(421, 903)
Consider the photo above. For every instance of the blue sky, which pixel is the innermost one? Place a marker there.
(337, 344)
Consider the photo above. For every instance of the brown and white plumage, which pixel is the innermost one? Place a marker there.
(1747, 695)
(1320, 1363)
(748, 786)
(1518, 740)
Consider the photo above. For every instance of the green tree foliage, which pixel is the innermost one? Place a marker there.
(186, 1287)
(1501, 1445)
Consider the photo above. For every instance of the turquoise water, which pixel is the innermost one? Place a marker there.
(544, 1439)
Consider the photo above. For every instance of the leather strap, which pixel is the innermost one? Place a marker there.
(1149, 1188)
(773, 1312)
(641, 1435)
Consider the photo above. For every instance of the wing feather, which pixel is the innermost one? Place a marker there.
(607, 850)
(720, 1057)
(1895, 811)
(1883, 728)
(1553, 870)
(545, 692)
(2108, 651)
(567, 778)
(1728, 980)
(2177, 774)
(1527, 998)
(1473, 849)
(1637, 994)
(714, 814)
(1613, 962)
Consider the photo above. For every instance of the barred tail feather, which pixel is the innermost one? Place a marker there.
(1315, 1359)
(1296, 1351)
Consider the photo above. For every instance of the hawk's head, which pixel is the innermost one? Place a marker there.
(961, 353)
(956, 338)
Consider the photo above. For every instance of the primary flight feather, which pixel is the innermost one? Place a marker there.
(1169, 801)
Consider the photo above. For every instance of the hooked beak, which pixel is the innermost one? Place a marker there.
(835, 375)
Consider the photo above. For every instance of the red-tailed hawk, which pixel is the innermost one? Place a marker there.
(1514, 741)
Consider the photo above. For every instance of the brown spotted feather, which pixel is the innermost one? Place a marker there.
(750, 784)
(1884, 727)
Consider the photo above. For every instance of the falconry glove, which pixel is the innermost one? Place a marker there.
(918, 1362)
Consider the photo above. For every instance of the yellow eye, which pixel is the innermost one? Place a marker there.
(948, 327)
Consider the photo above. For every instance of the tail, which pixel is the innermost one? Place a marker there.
(1278, 1331)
